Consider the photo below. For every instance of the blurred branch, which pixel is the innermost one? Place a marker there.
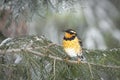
(52, 6)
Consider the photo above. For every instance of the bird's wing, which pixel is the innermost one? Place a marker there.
(80, 42)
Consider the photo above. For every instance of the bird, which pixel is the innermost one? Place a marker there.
(72, 45)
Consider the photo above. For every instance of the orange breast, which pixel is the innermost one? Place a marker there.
(72, 44)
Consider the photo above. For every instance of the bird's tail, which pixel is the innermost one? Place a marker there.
(82, 58)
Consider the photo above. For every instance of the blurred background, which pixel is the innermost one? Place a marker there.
(97, 22)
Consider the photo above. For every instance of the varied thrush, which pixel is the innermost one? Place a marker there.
(72, 45)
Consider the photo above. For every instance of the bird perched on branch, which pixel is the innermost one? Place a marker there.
(72, 45)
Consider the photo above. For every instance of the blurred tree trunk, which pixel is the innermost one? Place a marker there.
(12, 24)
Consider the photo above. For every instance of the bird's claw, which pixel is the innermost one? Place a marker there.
(66, 59)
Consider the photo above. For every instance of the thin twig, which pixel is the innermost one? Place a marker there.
(54, 68)
(90, 70)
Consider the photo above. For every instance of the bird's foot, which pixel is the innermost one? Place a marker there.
(66, 59)
(78, 61)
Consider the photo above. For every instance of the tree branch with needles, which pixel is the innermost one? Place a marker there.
(30, 50)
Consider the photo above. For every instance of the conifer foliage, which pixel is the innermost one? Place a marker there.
(36, 58)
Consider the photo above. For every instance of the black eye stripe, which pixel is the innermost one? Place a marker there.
(72, 38)
(71, 33)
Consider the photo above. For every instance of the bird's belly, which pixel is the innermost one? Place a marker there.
(71, 52)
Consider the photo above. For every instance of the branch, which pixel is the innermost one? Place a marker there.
(30, 49)
(70, 61)
(18, 49)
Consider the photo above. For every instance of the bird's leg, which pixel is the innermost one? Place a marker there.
(78, 60)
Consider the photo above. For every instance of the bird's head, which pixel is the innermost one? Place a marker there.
(70, 33)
